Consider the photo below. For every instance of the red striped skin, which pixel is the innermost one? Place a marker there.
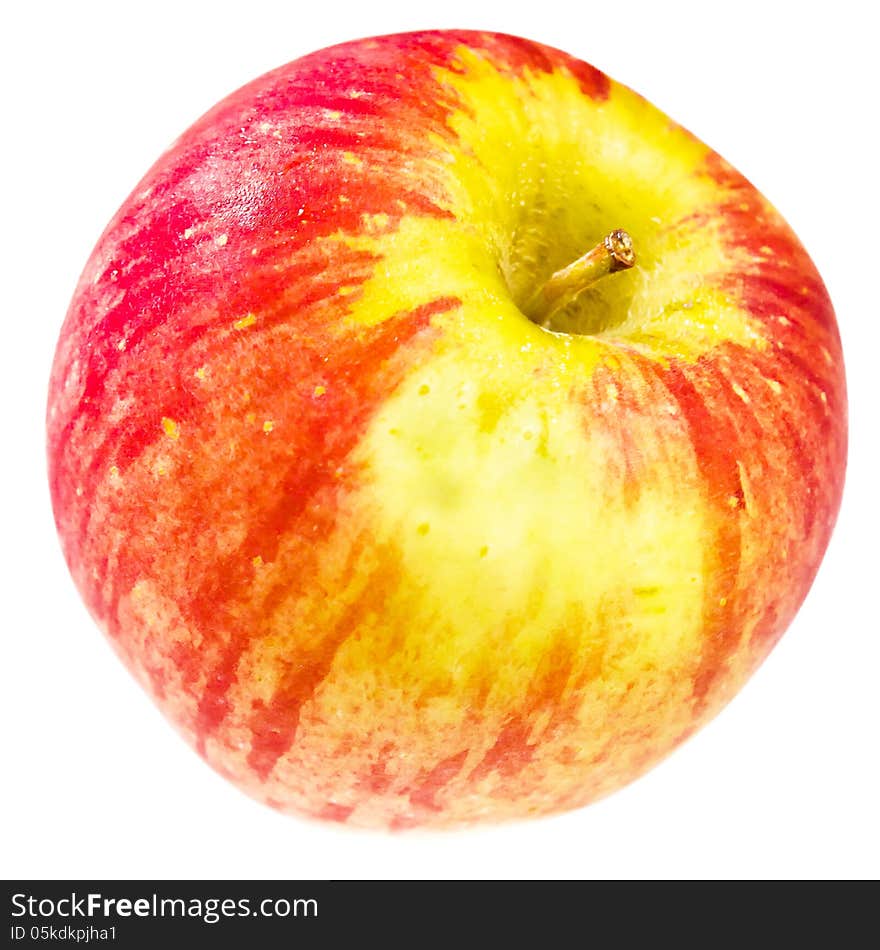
(781, 281)
(224, 257)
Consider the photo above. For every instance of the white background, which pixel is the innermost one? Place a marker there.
(96, 784)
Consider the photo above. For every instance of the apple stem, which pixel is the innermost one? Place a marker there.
(613, 253)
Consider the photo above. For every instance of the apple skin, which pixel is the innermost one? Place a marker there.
(383, 550)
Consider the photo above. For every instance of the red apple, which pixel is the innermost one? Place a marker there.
(399, 519)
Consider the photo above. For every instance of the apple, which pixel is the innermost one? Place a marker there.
(441, 434)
